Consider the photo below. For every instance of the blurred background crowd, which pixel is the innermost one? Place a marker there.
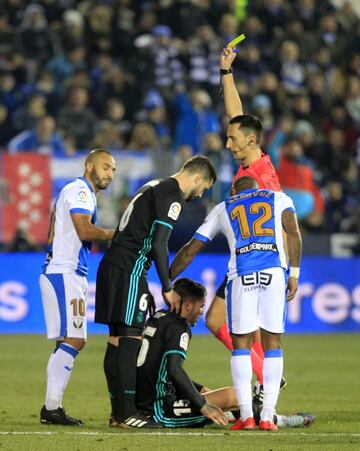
(143, 76)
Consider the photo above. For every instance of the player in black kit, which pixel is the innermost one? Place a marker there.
(122, 295)
(164, 390)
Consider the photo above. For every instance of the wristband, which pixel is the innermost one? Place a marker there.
(225, 71)
(294, 272)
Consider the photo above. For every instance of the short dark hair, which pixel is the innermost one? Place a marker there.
(94, 153)
(243, 183)
(249, 124)
(189, 289)
(202, 164)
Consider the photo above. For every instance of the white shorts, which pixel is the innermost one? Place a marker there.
(257, 300)
(64, 302)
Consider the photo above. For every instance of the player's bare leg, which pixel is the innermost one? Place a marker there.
(224, 397)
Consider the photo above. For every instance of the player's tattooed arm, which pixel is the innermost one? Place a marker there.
(294, 242)
(185, 256)
(294, 245)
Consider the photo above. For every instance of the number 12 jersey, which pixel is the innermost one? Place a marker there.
(251, 222)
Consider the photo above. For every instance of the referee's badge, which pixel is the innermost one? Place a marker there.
(174, 210)
(184, 341)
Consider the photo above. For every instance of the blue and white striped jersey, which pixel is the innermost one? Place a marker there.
(251, 222)
(66, 253)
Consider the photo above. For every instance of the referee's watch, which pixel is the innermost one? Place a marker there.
(225, 71)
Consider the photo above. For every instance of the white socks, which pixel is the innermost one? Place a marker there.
(272, 373)
(241, 372)
(58, 374)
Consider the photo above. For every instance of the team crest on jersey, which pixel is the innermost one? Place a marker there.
(184, 341)
(174, 210)
(82, 196)
(78, 323)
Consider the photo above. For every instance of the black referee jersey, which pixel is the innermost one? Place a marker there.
(157, 202)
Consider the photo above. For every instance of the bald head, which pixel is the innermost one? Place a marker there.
(244, 183)
(94, 155)
(99, 168)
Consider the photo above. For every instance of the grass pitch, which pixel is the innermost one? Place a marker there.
(323, 374)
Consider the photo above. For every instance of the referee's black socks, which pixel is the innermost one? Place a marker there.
(126, 364)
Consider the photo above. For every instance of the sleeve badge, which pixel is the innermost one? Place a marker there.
(174, 210)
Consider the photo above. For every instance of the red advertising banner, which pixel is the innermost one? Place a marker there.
(27, 206)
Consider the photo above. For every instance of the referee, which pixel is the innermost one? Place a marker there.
(122, 294)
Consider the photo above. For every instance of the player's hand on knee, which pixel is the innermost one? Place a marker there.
(172, 300)
(214, 414)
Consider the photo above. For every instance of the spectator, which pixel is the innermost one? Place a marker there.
(98, 28)
(118, 84)
(297, 180)
(35, 40)
(168, 70)
(5, 127)
(45, 85)
(291, 71)
(143, 137)
(194, 118)
(77, 118)
(21, 242)
(251, 65)
(203, 56)
(352, 99)
(261, 107)
(108, 137)
(72, 32)
(10, 96)
(27, 116)
(115, 114)
(42, 139)
(339, 118)
(63, 66)
(6, 39)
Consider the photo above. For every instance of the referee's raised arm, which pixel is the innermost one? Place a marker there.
(232, 101)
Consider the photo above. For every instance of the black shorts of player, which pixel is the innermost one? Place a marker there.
(120, 297)
(176, 412)
(220, 292)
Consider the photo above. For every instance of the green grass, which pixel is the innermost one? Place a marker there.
(323, 374)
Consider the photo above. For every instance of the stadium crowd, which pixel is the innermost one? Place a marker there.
(144, 76)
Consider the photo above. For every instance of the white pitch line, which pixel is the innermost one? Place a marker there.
(206, 434)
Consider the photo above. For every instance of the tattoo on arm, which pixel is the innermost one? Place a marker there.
(294, 241)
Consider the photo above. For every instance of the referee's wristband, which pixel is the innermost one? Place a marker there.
(294, 272)
(225, 71)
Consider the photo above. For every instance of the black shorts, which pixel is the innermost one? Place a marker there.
(220, 292)
(177, 412)
(120, 297)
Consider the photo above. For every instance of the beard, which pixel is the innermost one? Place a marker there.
(192, 195)
(100, 183)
